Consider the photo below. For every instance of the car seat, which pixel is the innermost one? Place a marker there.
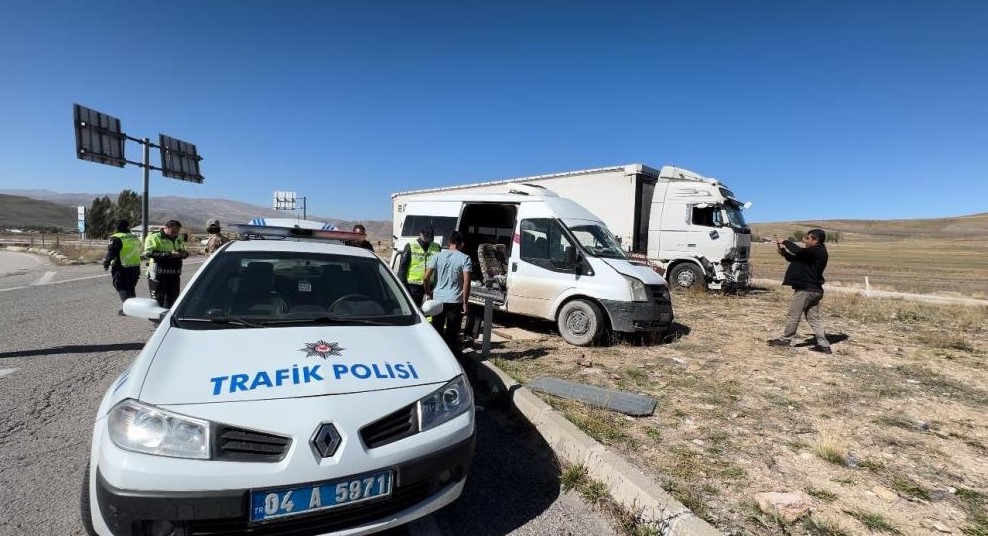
(255, 291)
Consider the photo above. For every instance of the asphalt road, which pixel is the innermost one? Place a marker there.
(62, 344)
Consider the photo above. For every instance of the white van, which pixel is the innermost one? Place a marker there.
(541, 255)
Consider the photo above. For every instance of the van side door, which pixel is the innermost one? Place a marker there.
(543, 265)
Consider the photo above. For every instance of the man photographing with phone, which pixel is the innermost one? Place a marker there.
(807, 261)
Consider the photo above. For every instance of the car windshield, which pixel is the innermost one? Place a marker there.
(269, 289)
(596, 240)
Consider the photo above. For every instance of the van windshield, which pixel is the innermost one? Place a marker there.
(597, 240)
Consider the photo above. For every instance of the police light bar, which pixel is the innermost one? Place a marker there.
(265, 231)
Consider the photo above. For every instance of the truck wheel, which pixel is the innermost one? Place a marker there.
(84, 510)
(686, 275)
(580, 323)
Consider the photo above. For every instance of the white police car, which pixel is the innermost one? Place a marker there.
(293, 388)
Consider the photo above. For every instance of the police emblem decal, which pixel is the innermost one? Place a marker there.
(322, 349)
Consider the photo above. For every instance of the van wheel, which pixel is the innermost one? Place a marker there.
(580, 323)
(84, 510)
(685, 276)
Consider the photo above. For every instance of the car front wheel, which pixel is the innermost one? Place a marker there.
(580, 322)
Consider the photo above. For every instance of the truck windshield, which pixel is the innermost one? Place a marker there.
(734, 216)
(597, 241)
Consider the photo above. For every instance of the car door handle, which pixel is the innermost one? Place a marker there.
(514, 267)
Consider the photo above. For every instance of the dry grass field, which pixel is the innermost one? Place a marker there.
(888, 435)
(945, 256)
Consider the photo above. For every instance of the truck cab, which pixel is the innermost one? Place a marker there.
(544, 256)
(697, 231)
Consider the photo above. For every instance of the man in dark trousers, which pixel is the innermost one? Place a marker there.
(411, 270)
(123, 259)
(807, 261)
(451, 270)
(165, 249)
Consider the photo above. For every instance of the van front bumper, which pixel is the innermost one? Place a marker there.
(632, 317)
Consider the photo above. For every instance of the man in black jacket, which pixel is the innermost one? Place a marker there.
(805, 275)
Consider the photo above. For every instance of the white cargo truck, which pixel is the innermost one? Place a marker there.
(541, 255)
(688, 225)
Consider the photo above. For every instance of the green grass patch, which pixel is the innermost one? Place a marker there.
(874, 521)
(909, 488)
(821, 494)
(573, 476)
(822, 527)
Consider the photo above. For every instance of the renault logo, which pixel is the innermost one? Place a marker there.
(326, 440)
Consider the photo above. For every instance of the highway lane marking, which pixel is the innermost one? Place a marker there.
(6, 371)
(55, 282)
(71, 280)
(45, 279)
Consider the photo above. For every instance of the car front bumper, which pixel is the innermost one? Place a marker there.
(632, 317)
(422, 485)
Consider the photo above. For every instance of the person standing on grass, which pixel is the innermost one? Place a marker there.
(123, 259)
(452, 269)
(807, 261)
(165, 250)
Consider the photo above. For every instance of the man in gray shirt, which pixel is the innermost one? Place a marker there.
(451, 269)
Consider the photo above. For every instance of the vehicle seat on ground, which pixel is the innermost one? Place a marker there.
(255, 292)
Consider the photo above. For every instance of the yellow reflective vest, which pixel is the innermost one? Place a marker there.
(416, 266)
(130, 253)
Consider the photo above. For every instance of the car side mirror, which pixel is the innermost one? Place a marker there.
(144, 308)
(432, 307)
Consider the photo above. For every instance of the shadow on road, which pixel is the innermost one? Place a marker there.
(514, 478)
(75, 349)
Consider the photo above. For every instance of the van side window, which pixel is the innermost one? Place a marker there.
(708, 216)
(443, 225)
(544, 244)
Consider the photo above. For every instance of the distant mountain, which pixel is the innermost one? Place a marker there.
(192, 212)
(18, 211)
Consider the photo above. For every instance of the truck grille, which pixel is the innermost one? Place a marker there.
(390, 428)
(241, 444)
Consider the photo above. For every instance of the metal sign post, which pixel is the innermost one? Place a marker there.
(286, 201)
(99, 138)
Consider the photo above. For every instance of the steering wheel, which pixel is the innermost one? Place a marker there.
(347, 298)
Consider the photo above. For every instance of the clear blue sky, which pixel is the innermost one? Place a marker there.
(874, 109)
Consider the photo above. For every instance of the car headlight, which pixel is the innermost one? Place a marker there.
(637, 289)
(143, 428)
(444, 404)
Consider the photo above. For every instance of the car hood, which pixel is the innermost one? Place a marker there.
(228, 365)
(638, 271)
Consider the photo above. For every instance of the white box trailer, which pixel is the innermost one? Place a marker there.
(689, 226)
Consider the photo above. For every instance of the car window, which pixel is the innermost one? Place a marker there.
(543, 243)
(265, 286)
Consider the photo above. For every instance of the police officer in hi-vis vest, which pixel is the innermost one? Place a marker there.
(411, 271)
(165, 250)
(123, 259)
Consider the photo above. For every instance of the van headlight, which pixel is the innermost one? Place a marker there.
(637, 288)
(150, 430)
(444, 404)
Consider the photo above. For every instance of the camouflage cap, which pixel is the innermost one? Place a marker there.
(212, 223)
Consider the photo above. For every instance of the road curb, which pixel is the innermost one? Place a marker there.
(628, 486)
